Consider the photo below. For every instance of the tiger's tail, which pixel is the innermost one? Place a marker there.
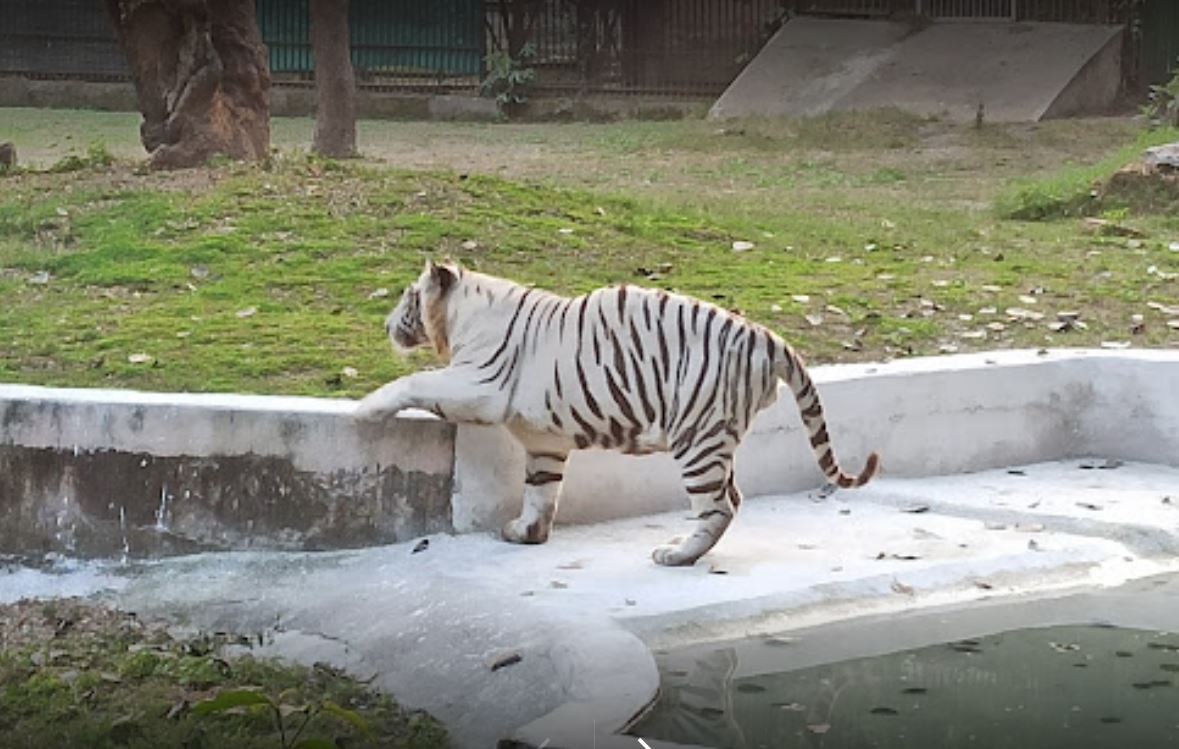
(792, 370)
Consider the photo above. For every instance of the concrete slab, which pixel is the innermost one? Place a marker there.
(583, 610)
(1016, 71)
(807, 65)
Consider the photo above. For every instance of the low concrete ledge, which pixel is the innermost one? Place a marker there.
(109, 473)
(104, 473)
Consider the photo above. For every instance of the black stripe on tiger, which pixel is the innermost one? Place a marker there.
(540, 478)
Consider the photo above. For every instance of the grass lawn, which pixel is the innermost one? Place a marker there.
(875, 235)
(76, 675)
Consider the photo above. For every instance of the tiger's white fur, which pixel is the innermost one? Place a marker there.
(624, 368)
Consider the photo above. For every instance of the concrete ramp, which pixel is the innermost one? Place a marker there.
(1019, 72)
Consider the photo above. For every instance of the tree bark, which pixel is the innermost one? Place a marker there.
(335, 82)
(201, 77)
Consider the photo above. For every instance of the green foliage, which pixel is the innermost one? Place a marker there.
(1076, 190)
(96, 157)
(289, 735)
(508, 79)
(107, 682)
(1162, 108)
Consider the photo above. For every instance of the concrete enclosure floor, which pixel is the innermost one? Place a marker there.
(583, 611)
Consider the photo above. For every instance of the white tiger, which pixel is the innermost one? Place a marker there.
(624, 368)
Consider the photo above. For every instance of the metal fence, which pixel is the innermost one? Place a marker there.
(672, 46)
(981, 9)
(693, 47)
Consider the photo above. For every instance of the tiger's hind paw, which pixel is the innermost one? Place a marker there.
(670, 555)
(518, 532)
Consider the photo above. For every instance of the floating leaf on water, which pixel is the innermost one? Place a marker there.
(1124, 654)
(504, 660)
(914, 690)
(712, 711)
(1170, 667)
(1064, 647)
(883, 711)
(1153, 683)
(750, 688)
(818, 728)
(793, 707)
(1111, 719)
(1166, 646)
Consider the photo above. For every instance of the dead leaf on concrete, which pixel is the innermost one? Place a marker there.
(900, 587)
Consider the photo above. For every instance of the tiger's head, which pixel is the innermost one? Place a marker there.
(419, 319)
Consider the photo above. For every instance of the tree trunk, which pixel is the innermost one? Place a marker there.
(335, 83)
(201, 77)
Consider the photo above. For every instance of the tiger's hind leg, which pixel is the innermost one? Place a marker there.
(715, 497)
(544, 472)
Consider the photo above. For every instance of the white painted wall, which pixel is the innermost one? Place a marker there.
(928, 416)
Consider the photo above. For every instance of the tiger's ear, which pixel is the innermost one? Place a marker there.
(441, 276)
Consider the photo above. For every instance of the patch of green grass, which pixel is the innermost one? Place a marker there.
(1076, 191)
(79, 675)
(269, 278)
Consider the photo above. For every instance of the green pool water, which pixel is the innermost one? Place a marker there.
(1072, 687)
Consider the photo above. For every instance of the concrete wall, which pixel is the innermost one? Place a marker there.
(101, 473)
(926, 417)
(110, 472)
(299, 101)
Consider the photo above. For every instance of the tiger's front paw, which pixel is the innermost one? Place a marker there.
(519, 532)
(378, 405)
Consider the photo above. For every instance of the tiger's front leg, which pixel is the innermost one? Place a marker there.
(451, 393)
(544, 472)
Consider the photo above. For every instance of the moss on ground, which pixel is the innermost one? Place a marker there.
(80, 675)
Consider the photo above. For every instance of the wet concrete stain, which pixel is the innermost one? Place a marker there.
(113, 503)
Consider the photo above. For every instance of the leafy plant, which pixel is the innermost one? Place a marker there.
(96, 156)
(509, 79)
(1163, 107)
(252, 700)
